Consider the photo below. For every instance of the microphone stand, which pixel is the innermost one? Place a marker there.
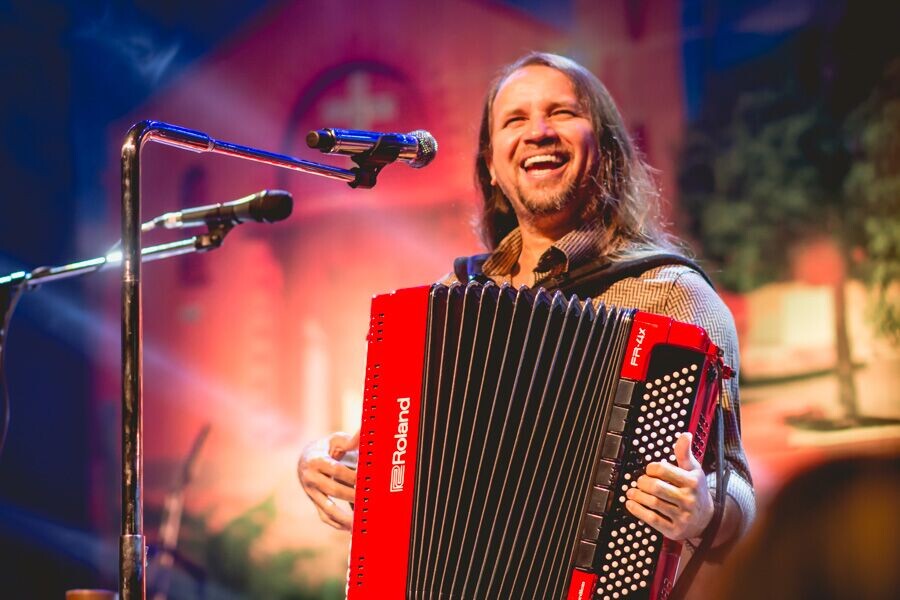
(11, 288)
(132, 547)
(13, 285)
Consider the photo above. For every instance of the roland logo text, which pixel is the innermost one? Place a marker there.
(398, 459)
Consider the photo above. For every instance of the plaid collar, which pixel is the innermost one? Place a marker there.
(574, 249)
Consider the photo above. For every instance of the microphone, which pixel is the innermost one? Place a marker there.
(416, 148)
(267, 206)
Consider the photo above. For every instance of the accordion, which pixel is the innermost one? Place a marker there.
(500, 431)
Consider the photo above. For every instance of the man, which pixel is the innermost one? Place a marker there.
(564, 187)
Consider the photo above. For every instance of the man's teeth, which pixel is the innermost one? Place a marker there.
(542, 158)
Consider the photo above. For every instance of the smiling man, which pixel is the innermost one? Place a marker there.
(563, 187)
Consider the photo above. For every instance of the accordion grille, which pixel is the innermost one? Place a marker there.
(517, 393)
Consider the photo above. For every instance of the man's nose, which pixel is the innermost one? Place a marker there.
(539, 130)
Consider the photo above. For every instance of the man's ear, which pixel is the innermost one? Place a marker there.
(490, 167)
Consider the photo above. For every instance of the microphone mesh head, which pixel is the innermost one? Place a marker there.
(428, 148)
(274, 206)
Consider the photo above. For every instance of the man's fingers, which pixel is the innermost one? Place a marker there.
(330, 486)
(317, 474)
(668, 472)
(323, 516)
(333, 469)
(660, 488)
(653, 502)
(330, 512)
(343, 518)
(653, 519)
(344, 474)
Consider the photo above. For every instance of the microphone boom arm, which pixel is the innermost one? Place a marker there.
(198, 243)
(197, 141)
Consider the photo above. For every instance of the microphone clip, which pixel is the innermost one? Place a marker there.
(214, 236)
(372, 161)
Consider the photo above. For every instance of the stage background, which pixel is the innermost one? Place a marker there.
(258, 348)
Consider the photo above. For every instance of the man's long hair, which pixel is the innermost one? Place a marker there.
(625, 195)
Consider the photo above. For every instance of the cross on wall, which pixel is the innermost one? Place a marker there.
(361, 108)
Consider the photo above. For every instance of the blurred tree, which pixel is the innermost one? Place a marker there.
(229, 563)
(784, 170)
(873, 184)
(231, 560)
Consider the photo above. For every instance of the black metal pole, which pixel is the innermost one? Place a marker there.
(132, 549)
(11, 288)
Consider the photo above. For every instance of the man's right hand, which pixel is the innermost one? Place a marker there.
(325, 480)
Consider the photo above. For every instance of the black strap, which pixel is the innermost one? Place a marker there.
(593, 279)
(470, 268)
(589, 280)
(702, 551)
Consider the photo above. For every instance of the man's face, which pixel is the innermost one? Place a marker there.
(543, 147)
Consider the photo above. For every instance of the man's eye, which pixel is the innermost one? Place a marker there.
(512, 120)
(567, 112)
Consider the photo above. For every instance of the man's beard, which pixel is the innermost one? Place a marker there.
(542, 203)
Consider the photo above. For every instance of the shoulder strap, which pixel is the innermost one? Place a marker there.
(591, 279)
(595, 278)
(470, 268)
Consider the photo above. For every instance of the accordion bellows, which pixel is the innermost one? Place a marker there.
(500, 430)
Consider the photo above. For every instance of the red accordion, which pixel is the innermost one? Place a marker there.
(500, 430)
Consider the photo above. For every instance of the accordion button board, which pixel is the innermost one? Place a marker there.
(501, 429)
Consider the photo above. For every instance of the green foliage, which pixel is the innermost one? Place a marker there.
(753, 189)
(230, 559)
(784, 170)
(873, 187)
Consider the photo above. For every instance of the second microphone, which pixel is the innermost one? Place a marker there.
(267, 206)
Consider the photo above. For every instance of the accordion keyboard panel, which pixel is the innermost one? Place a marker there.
(626, 556)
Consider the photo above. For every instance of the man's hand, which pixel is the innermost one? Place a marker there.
(674, 500)
(325, 479)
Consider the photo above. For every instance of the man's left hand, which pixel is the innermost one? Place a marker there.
(674, 500)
